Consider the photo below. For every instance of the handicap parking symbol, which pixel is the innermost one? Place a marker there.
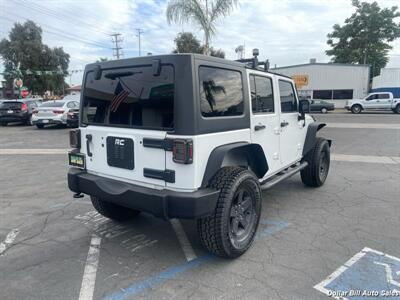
(368, 274)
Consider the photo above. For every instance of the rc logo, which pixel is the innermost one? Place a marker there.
(120, 142)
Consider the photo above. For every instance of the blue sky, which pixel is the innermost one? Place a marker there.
(286, 31)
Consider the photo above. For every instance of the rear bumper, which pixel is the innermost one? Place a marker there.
(161, 203)
(14, 118)
(49, 121)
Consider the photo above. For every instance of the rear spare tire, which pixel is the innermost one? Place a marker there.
(318, 159)
(231, 229)
(113, 211)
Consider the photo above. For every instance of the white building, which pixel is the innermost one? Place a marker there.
(329, 81)
(387, 81)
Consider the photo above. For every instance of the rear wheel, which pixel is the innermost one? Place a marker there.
(113, 211)
(318, 160)
(40, 126)
(324, 110)
(231, 229)
(356, 109)
(397, 109)
(3, 124)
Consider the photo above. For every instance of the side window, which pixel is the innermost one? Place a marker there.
(372, 97)
(383, 96)
(262, 99)
(287, 97)
(221, 92)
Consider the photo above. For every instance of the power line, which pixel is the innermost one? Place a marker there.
(117, 40)
(57, 14)
(139, 32)
(58, 32)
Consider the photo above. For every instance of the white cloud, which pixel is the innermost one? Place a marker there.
(285, 31)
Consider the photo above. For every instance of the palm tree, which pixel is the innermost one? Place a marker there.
(203, 12)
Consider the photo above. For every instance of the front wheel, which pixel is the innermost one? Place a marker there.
(113, 211)
(39, 126)
(356, 109)
(231, 229)
(3, 124)
(318, 160)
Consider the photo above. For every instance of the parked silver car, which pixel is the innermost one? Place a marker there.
(54, 112)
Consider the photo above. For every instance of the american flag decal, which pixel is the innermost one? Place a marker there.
(120, 94)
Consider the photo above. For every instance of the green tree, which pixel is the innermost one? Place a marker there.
(24, 46)
(101, 59)
(204, 13)
(365, 36)
(186, 42)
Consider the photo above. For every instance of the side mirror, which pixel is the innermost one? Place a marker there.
(304, 107)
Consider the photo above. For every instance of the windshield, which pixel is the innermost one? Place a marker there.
(130, 97)
(53, 104)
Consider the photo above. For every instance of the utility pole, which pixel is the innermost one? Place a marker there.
(117, 40)
(139, 32)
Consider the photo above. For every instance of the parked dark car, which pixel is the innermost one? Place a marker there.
(19, 110)
(321, 106)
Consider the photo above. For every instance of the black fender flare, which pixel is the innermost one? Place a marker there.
(311, 136)
(254, 154)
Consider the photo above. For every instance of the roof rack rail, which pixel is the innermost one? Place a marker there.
(253, 62)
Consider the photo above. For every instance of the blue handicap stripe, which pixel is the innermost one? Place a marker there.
(159, 278)
(271, 228)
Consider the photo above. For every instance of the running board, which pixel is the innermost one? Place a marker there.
(283, 175)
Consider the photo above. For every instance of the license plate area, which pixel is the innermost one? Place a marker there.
(76, 160)
(120, 152)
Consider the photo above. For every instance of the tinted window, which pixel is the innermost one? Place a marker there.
(343, 94)
(383, 96)
(221, 92)
(262, 99)
(322, 94)
(130, 97)
(287, 97)
(53, 104)
(372, 97)
(10, 105)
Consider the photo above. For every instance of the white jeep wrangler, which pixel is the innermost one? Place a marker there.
(195, 137)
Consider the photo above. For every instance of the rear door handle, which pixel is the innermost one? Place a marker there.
(259, 127)
(88, 140)
(284, 124)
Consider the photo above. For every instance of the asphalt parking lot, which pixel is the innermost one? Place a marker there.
(310, 241)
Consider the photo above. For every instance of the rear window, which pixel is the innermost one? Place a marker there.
(130, 97)
(10, 105)
(52, 104)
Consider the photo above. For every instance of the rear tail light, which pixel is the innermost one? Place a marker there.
(182, 151)
(58, 111)
(24, 107)
(75, 138)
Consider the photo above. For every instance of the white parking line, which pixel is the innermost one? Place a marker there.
(183, 240)
(32, 151)
(364, 125)
(393, 160)
(8, 240)
(89, 274)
